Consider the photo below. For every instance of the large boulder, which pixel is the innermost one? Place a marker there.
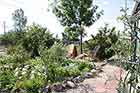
(72, 51)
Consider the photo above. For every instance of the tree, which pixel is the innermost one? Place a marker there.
(14, 36)
(19, 20)
(79, 13)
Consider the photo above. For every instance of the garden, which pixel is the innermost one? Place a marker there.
(37, 61)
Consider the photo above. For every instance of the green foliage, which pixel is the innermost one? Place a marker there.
(59, 67)
(55, 54)
(106, 38)
(7, 59)
(76, 14)
(19, 53)
(9, 38)
(84, 65)
(36, 39)
(122, 48)
(7, 78)
(33, 58)
(14, 36)
(130, 83)
(31, 75)
(58, 73)
(71, 34)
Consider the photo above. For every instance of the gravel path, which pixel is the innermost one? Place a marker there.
(106, 82)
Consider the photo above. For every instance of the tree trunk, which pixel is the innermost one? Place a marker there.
(81, 40)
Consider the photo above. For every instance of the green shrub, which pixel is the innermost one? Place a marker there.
(105, 39)
(14, 59)
(31, 85)
(59, 67)
(30, 76)
(56, 54)
(10, 38)
(36, 39)
(7, 59)
(73, 71)
(83, 65)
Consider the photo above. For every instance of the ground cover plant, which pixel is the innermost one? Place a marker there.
(32, 75)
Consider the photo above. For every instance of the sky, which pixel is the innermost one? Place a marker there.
(36, 11)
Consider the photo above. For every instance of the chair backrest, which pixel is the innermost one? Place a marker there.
(95, 50)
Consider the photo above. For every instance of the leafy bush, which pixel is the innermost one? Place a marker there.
(83, 65)
(104, 39)
(36, 39)
(10, 38)
(29, 76)
(33, 40)
(19, 53)
(56, 54)
(59, 67)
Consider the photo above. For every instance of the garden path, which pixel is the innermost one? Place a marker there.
(106, 81)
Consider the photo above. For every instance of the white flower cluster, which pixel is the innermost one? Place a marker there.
(29, 71)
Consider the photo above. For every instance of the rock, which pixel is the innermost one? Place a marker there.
(57, 87)
(78, 79)
(81, 56)
(104, 64)
(47, 89)
(99, 69)
(88, 75)
(68, 79)
(93, 71)
(70, 84)
(64, 84)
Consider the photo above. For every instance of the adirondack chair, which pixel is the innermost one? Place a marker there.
(94, 53)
